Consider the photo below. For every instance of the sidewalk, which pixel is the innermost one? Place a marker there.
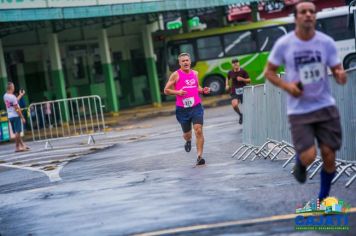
(167, 109)
(125, 117)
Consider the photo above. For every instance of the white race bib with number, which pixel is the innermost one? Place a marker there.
(239, 91)
(188, 102)
(311, 73)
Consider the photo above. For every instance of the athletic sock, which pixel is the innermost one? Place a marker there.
(325, 183)
(299, 171)
(297, 159)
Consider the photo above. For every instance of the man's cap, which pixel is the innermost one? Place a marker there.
(235, 60)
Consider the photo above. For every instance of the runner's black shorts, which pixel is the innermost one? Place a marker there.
(238, 97)
(187, 116)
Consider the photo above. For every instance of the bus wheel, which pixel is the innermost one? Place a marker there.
(216, 85)
(350, 61)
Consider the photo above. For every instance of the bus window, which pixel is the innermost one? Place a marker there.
(268, 36)
(319, 26)
(290, 27)
(188, 48)
(175, 50)
(209, 47)
(336, 28)
(239, 43)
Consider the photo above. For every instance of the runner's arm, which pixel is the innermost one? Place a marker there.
(205, 90)
(18, 111)
(227, 82)
(246, 80)
(339, 74)
(169, 89)
(271, 74)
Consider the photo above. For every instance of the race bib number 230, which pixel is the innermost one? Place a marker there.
(311, 73)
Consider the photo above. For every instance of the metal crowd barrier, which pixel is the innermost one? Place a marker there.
(346, 99)
(265, 122)
(67, 118)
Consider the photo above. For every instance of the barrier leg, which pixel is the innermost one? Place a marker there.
(260, 155)
(252, 150)
(243, 153)
(290, 148)
(271, 151)
(316, 162)
(263, 146)
(48, 145)
(238, 150)
(91, 139)
(316, 170)
(289, 160)
(350, 181)
(276, 154)
(343, 169)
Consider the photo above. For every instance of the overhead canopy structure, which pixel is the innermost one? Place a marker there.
(34, 10)
(60, 48)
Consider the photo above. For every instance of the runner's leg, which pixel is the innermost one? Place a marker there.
(328, 171)
(198, 130)
(235, 106)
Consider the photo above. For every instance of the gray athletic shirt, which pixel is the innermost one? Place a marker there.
(306, 61)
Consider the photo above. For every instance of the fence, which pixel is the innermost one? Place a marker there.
(266, 131)
(66, 118)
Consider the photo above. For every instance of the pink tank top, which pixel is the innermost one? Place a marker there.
(189, 83)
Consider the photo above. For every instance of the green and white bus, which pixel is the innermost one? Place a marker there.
(212, 50)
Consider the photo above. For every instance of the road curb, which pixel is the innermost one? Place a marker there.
(146, 113)
(167, 112)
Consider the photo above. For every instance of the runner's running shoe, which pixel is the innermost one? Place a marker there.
(188, 146)
(200, 161)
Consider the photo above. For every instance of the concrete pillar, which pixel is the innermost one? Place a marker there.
(57, 73)
(56, 65)
(151, 63)
(105, 56)
(22, 81)
(126, 75)
(3, 76)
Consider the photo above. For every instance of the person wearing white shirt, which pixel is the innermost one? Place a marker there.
(15, 115)
(312, 113)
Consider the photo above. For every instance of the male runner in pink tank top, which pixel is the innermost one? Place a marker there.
(184, 84)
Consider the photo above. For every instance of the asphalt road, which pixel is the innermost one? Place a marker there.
(138, 179)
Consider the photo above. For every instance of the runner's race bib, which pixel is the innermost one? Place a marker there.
(311, 73)
(239, 91)
(188, 102)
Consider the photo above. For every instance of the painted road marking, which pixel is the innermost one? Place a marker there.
(49, 162)
(53, 175)
(225, 224)
(36, 157)
(45, 151)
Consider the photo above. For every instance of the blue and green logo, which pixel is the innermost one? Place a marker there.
(329, 215)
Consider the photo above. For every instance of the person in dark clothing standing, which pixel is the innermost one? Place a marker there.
(239, 78)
